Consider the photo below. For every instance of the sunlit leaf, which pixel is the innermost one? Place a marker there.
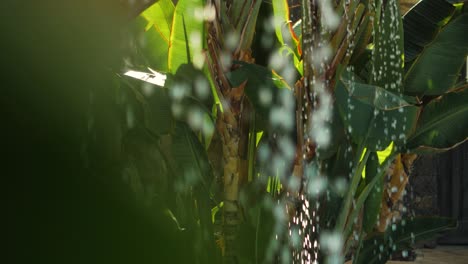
(284, 27)
(150, 44)
(159, 16)
(187, 34)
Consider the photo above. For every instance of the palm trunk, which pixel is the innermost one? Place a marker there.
(231, 122)
(231, 179)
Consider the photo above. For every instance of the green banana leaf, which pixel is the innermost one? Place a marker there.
(187, 34)
(388, 52)
(285, 32)
(149, 105)
(198, 85)
(374, 200)
(377, 248)
(373, 114)
(159, 16)
(191, 181)
(422, 23)
(144, 168)
(443, 124)
(152, 31)
(191, 158)
(248, 27)
(255, 233)
(436, 70)
(151, 47)
(192, 178)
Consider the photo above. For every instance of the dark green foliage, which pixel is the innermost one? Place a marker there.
(435, 48)
(377, 248)
(372, 115)
(443, 124)
(58, 209)
(421, 24)
(374, 201)
(258, 78)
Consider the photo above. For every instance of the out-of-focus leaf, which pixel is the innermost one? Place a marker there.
(190, 156)
(443, 124)
(193, 178)
(145, 169)
(337, 135)
(150, 106)
(261, 83)
(196, 83)
(436, 70)
(255, 234)
(161, 120)
(286, 51)
(187, 34)
(150, 44)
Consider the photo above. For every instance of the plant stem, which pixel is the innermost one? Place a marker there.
(340, 224)
(356, 256)
(365, 193)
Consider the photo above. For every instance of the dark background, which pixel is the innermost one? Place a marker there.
(58, 209)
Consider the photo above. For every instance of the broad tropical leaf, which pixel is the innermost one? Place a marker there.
(160, 17)
(187, 34)
(373, 114)
(151, 46)
(191, 159)
(443, 124)
(422, 23)
(150, 104)
(387, 54)
(436, 70)
(193, 176)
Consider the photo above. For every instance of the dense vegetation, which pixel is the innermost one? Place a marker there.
(211, 131)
